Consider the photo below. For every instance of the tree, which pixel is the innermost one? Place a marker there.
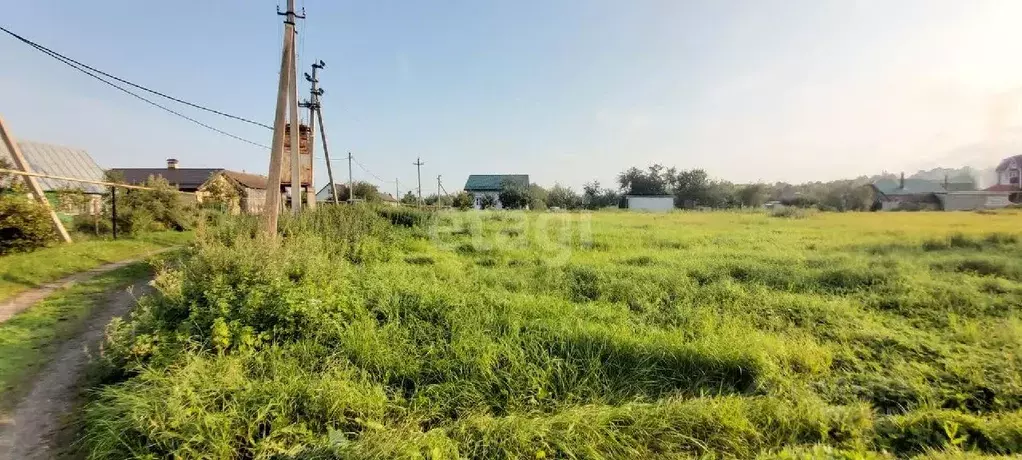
(363, 191)
(513, 196)
(463, 200)
(409, 198)
(656, 180)
(563, 197)
(722, 194)
(537, 197)
(595, 197)
(159, 208)
(221, 193)
(433, 199)
(692, 188)
(487, 202)
(753, 195)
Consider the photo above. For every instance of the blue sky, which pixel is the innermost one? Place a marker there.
(563, 90)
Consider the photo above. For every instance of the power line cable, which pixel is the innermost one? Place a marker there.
(142, 98)
(360, 165)
(67, 60)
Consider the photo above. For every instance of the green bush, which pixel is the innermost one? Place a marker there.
(24, 224)
(463, 200)
(789, 212)
(91, 224)
(405, 216)
(141, 211)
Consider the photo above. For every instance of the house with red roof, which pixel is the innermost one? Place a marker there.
(1009, 178)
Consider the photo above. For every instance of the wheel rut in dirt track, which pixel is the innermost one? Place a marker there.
(26, 299)
(32, 432)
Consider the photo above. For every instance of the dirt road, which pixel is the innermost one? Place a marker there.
(32, 431)
(16, 304)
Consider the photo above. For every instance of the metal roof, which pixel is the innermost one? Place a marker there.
(912, 187)
(493, 182)
(247, 180)
(56, 160)
(183, 178)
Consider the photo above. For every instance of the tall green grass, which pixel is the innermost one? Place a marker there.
(498, 335)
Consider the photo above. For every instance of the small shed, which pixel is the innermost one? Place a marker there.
(650, 202)
(242, 192)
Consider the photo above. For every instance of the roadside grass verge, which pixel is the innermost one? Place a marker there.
(30, 336)
(20, 272)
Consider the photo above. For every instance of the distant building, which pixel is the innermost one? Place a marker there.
(184, 179)
(389, 199)
(650, 202)
(483, 185)
(1009, 172)
(919, 194)
(55, 160)
(248, 191)
(1009, 178)
(915, 194)
(325, 194)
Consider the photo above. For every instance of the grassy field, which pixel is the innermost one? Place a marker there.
(607, 335)
(19, 272)
(27, 339)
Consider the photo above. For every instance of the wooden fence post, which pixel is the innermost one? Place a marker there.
(33, 184)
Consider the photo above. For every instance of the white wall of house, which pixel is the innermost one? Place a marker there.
(650, 203)
(1008, 176)
(478, 199)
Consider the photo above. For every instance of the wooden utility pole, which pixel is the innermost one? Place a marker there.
(418, 168)
(33, 185)
(326, 153)
(287, 64)
(351, 184)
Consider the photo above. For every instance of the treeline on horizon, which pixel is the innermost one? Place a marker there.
(691, 189)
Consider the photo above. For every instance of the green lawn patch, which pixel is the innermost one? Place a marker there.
(19, 272)
(29, 337)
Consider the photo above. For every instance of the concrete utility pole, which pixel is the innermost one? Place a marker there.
(316, 111)
(296, 145)
(33, 184)
(271, 209)
(313, 105)
(397, 190)
(351, 183)
(326, 153)
(418, 168)
(438, 191)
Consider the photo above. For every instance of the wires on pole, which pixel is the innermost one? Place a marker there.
(79, 66)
